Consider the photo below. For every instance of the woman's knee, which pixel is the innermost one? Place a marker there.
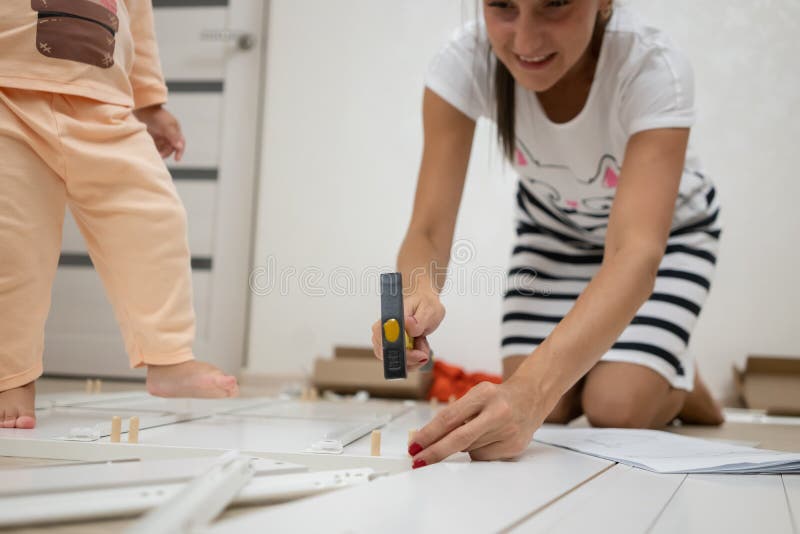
(620, 395)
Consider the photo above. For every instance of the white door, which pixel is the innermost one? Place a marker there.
(212, 53)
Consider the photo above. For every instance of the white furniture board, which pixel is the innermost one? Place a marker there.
(49, 400)
(621, 500)
(447, 497)
(146, 402)
(56, 423)
(57, 416)
(74, 477)
(734, 504)
(94, 451)
(199, 501)
(322, 409)
(549, 489)
(126, 501)
(247, 433)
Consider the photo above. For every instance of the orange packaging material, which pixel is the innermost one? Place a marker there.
(453, 380)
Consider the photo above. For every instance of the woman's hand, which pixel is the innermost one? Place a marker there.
(163, 127)
(424, 313)
(490, 422)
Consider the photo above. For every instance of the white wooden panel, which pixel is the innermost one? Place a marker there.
(80, 305)
(199, 199)
(127, 501)
(791, 485)
(732, 504)
(338, 410)
(200, 119)
(622, 500)
(61, 478)
(246, 433)
(143, 402)
(57, 422)
(447, 497)
(184, 55)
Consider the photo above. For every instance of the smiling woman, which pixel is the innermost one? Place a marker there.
(617, 229)
(547, 56)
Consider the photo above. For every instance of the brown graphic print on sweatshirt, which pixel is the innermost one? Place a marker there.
(77, 30)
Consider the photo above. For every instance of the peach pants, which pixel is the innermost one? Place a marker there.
(59, 149)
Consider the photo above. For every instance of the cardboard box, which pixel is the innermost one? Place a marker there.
(345, 351)
(354, 369)
(770, 383)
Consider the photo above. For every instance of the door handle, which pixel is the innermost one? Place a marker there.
(243, 40)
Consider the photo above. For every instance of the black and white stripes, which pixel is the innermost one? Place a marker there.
(554, 259)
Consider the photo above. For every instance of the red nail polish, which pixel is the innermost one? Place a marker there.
(414, 449)
(418, 463)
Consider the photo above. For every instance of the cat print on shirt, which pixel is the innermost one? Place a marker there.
(583, 202)
(580, 202)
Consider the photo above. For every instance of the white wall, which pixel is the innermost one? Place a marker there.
(342, 140)
(747, 75)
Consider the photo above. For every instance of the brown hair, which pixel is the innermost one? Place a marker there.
(504, 87)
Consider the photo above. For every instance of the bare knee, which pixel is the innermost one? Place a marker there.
(615, 410)
(568, 407)
(565, 411)
(618, 395)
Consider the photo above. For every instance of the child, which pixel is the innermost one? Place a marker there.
(616, 223)
(75, 75)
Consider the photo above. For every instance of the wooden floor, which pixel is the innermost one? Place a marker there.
(546, 490)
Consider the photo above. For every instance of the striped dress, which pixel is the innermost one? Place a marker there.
(568, 174)
(550, 267)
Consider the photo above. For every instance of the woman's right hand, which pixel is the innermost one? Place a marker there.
(424, 312)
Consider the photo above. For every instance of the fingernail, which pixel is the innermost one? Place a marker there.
(414, 449)
(418, 463)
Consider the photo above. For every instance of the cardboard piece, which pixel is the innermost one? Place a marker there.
(347, 351)
(354, 369)
(770, 383)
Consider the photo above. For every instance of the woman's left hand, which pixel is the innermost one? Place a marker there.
(490, 422)
(165, 130)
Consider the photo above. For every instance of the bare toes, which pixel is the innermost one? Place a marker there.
(26, 421)
(227, 382)
(10, 419)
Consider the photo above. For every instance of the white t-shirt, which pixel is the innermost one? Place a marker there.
(571, 169)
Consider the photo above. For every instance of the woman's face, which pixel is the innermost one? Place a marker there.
(540, 41)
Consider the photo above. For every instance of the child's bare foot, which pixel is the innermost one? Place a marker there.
(190, 379)
(700, 408)
(17, 407)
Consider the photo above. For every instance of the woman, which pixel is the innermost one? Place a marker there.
(616, 223)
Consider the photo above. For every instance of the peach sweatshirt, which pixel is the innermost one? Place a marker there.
(100, 49)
